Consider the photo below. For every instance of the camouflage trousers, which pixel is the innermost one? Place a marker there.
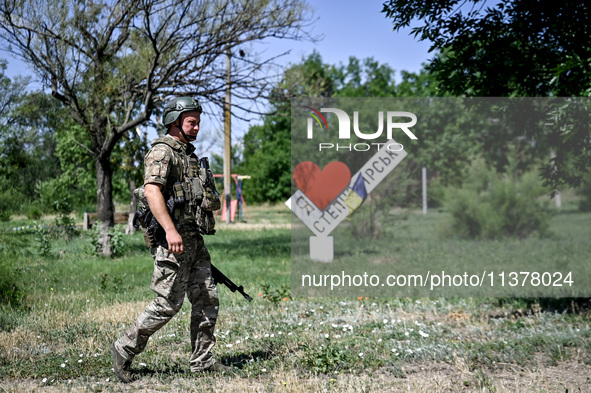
(175, 275)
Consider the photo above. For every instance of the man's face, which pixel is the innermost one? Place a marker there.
(190, 124)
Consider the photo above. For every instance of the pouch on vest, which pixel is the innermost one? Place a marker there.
(211, 198)
(197, 190)
(179, 194)
(205, 221)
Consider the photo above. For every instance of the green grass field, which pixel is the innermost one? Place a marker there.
(74, 305)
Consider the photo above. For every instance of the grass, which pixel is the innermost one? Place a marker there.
(75, 304)
(413, 244)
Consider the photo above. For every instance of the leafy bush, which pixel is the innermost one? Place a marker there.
(118, 244)
(327, 358)
(33, 210)
(64, 225)
(117, 240)
(276, 295)
(50, 191)
(42, 237)
(10, 292)
(10, 200)
(490, 205)
(12, 247)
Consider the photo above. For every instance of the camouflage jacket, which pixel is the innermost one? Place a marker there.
(176, 167)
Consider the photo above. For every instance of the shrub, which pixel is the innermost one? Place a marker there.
(489, 205)
(10, 200)
(327, 358)
(10, 292)
(277, 294)
(117, 240)
(12, 247)
(33, 210)
(42, 239)
(116, 233)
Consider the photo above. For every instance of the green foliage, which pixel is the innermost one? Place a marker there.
(117, 236)
(13, 247)
(9, 200)
(366, 78)
(64, 224)
(114, 284)
(276, 295)
(77, 183)
(27, 144)
(94, 236)
(267, 160)
(327, 357)
(42, 236)
(10, 292)
(33, 210)
(491, 206)
(512, 48)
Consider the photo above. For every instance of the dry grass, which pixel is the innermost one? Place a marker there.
(425, 378)
(286, 374)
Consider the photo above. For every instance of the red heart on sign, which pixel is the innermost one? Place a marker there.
(322, 186)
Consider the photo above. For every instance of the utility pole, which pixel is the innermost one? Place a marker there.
(227, 140)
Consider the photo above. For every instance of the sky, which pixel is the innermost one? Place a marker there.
(346, 28)
(360, 29)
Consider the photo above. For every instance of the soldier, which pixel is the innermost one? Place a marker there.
(181, 261)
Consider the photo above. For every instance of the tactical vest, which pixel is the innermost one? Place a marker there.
(190, 193)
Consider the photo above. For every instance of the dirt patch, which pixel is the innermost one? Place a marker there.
(571, 376)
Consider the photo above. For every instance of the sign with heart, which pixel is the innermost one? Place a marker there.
(322, 186)
(322, 200)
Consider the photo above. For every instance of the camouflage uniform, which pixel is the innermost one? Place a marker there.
(177, 274)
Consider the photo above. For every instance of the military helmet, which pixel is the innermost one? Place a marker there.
(176, 106)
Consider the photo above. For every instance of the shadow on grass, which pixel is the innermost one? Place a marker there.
(565, 305)
(237, 361)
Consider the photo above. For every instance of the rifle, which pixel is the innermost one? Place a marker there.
(221, 278)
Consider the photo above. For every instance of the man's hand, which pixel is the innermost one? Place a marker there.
(153, 193)
(175, 242)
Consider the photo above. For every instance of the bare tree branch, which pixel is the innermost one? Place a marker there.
(112, 63)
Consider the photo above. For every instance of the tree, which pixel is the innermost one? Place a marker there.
(28, 124)
(267, 146)
(113, 63)
(514, 48)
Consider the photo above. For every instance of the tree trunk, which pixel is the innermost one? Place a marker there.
(104, 201)
(130, 230)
